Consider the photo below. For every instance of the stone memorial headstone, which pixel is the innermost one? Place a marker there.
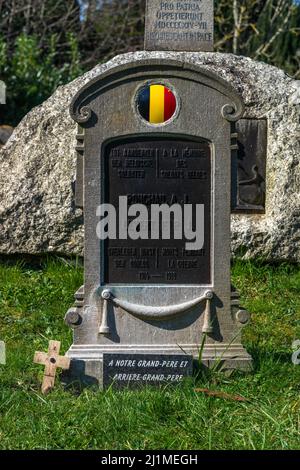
(155, 137)
(154, 166)
(179, 25)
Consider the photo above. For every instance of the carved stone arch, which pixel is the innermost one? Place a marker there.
(154, 68)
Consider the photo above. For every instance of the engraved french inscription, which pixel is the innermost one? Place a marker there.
(158, 261)
(179, 25)
(133, 370)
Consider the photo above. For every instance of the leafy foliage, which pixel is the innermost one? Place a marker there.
(32, 75)
(264, 30)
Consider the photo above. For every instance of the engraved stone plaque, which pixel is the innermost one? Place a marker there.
(161, 171)
(132, 370)
(179, 26)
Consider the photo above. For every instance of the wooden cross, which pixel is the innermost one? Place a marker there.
(51, 361)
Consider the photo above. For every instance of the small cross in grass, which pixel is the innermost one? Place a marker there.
(51, 361)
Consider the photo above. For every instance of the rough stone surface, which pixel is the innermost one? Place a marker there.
(37, 165)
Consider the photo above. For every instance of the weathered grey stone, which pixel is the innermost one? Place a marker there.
(37, 165)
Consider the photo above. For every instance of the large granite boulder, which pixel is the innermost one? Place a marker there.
(37, 165)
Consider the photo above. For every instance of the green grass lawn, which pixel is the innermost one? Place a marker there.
(33, 303)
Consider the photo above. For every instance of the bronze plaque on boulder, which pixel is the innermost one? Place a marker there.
(249, 167)
(168, 174)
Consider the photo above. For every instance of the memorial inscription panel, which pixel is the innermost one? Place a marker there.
(179, 25)
(133, 370)
(158, 171)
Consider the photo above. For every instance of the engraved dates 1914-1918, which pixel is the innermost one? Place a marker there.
(160, 171)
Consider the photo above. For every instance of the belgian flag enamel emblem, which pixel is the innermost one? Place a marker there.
(156, 103)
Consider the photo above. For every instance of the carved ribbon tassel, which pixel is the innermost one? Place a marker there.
(104, 328)
(208, 322)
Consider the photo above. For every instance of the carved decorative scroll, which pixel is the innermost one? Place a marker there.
(232, 113)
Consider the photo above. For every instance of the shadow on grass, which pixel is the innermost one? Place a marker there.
(262, 357)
